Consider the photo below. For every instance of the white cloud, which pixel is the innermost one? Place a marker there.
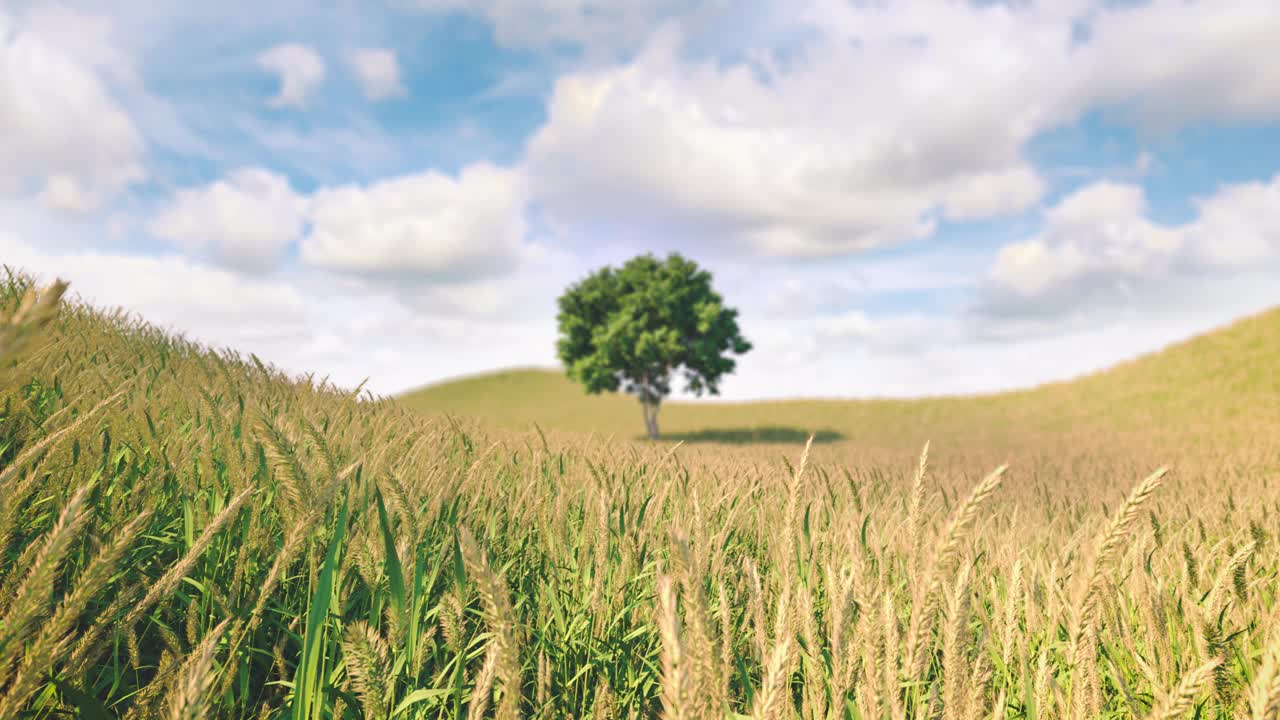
(379, 73)
(1177, 61)
(214, 305)
(92, 40)
(1099, 202)
(991, 194)
(893, 116)
(302, 325)
(400, 230)
(245, 221)
(48, 95)
(843, 148)
(1100, 251)
(427, 225)
(1238, 227)
(64, 193)
(301, 71)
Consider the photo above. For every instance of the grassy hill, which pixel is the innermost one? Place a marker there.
(1212, 388)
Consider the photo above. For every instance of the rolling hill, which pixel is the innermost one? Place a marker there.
(1215, 387)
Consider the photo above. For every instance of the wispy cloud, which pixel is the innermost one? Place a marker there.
(300, 69)
(379, 73)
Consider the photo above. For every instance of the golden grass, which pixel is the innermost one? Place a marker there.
(193, 534)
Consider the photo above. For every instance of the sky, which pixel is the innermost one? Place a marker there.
(900, 198)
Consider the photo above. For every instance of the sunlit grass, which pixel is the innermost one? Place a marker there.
(191, 534)
(1210, 390)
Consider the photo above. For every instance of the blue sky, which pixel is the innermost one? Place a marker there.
(901, 198)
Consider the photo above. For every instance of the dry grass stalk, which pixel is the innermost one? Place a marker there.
(1182, 697)
(189, 700)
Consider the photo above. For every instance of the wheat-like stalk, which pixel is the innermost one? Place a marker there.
(368, 667)
(32, 316)
(1179, 700)
(915, 515)
(770, 698)
(1264, 692)
(56, 635)
(179, 570)
(955, 663)
(31, 599)
(924, 614)
(493, 592)
(892, 653)
(190, 699)
(1107, 547)
(675, 670)
(483, 683)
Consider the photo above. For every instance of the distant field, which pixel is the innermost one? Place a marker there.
(188, 534)
(1221, 387)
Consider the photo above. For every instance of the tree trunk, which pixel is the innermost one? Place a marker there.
(650, 418)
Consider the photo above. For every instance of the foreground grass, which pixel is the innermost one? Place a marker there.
(188, 534)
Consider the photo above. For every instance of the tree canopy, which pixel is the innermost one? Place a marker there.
(633, 327)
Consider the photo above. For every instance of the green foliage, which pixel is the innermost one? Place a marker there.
(632, 327)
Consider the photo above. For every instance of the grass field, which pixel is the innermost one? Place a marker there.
(1210, 392)
(190, 534)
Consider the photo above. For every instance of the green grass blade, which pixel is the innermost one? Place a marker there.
(307, 700)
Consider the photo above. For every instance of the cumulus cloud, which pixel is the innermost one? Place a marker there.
(378, 72)
(1100, 250)
(303, 325)
(1238, 227)
(215, 305)
(892, 117)
(776, 159)
(300, 69)
(427, 225)
(424, 227)
(46, 94)
(92, 40)
(245, 221)
(1171, 62)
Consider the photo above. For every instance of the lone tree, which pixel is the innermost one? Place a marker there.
(633, 327)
